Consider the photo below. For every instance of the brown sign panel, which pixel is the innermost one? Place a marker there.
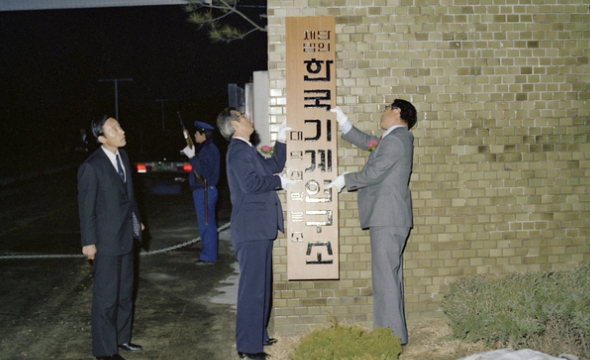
(312, 153)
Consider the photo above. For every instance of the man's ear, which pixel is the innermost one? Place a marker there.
(101, 139)
(235, 124)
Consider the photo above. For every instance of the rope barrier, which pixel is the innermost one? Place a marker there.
(144, 253)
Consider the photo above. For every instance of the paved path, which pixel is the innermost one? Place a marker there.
(182, 311)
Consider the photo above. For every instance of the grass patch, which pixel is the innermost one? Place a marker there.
(348, 343)
(548, 312)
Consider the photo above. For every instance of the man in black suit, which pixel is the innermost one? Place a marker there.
(109, 220)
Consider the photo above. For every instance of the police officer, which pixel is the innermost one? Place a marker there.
(205, 161)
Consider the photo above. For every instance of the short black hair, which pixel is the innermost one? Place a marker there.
(407, 111)
(208, 133)
(97, 126)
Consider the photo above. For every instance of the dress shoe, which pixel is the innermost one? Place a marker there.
(112, 357)
(202, 262)
(130, 347)
(270, 342)
(257, 356)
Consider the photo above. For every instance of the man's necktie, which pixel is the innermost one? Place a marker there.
(120, 169)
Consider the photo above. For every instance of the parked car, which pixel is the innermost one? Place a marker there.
(161, 167)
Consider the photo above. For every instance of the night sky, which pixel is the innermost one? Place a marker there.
(51, 61)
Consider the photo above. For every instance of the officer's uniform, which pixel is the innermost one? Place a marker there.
(205, 163)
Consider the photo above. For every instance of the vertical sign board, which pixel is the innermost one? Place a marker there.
(312, 154)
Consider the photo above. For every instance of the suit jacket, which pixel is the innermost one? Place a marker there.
(256, 208)
(383, 193)
(106, 204)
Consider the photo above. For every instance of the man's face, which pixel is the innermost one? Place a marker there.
(200, 137)
(114, 136)
(390, 117)
(242, 125)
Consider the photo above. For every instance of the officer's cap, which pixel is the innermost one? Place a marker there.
(203, 126)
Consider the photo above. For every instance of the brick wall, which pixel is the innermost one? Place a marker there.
(501, 176)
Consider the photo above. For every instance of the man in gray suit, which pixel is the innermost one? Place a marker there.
(385, 205)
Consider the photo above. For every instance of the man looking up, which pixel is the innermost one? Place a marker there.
(109, 220)
(256, 216)
(385, 205)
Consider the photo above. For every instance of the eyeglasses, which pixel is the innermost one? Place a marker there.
(241, 115)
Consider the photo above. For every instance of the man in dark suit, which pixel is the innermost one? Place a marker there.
(385, 205)
(256, 216)
(109, 220)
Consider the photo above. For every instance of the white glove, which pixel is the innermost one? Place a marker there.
(339, 182)
(190, 153)
(340, 117)
(282, 134)
(285, 181)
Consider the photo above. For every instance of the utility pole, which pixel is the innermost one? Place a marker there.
(116, 81)
(162, 101)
